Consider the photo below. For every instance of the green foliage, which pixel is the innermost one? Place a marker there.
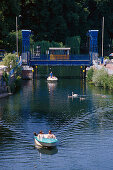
(11, 41)
(10, 60)
(8, 12)
(100, 78)
(44, 45)
(5, 77)
(74, 43)
(18, 81)
(110, 82)
(90, 74)
(54, 20)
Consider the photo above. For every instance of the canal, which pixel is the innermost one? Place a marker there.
(83, 126)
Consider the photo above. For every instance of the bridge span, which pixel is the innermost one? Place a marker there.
(73, 60)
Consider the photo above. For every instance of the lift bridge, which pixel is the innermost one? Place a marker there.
(58, 56)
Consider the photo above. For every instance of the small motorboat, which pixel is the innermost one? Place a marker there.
(45, 142)
(52, 78)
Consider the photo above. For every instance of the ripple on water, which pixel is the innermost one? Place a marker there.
(84, 128)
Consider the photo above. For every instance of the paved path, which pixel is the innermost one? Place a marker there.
(108, 67)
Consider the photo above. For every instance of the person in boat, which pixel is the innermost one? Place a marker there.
(50, 135)
(40, 135)
(51, 74)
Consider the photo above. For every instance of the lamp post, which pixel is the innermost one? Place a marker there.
(17, 34)
(102, 35)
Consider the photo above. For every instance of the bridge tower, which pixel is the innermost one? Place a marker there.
(25, 44)
(27, 72)
(93, 44)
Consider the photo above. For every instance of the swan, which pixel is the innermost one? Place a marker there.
(74, 95)
(69, 96)
(81, 98)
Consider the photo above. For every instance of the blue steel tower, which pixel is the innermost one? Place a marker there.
(93, 44)
(25, 45)
(26, 40)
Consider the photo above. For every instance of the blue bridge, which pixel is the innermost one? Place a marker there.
(59, 56)
(73, 60)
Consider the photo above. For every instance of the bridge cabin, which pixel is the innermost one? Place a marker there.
(59, 53)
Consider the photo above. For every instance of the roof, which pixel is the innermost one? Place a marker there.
(58, 48)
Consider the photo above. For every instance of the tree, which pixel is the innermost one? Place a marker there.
(8, 12)
(11, 61)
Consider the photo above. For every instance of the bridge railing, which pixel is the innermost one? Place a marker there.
(80, 57)
(71, 57)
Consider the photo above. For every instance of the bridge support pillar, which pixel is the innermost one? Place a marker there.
(83, 72)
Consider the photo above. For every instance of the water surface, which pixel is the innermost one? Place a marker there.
(83, 126)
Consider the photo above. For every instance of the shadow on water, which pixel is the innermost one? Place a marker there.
(47, 151)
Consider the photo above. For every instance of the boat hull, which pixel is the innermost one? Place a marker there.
(45, 142)
(52, 78)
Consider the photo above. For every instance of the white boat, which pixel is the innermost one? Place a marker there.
(52, 78)
(45, 142)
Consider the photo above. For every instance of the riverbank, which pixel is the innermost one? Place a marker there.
(101, 75)
(3, 86)
(108, 67)
(5, 95)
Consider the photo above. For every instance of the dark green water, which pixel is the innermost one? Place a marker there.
(83, 126)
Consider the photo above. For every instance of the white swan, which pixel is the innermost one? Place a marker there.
(74, 95)
(69, 96)
(81, 98)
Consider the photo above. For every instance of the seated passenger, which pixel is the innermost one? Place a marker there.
(50, 135)
(40, 135)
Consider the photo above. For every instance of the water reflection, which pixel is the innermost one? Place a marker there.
(51, 86)
(48, 151)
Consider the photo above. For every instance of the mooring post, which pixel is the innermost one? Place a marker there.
(84, 72)
(81, 72)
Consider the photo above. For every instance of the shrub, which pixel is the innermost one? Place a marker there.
(110, 82)
(100, 78)
(5, 77)
(18, 81)
(90, 74)
(10, 60)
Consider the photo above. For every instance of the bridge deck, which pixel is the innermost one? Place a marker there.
(75, 60)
